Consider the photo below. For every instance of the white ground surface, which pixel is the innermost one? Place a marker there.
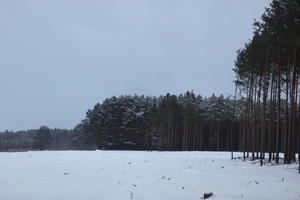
(116, 175)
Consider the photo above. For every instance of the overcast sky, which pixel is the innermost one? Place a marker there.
(60, 57)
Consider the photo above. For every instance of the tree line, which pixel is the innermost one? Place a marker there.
(42, 138)
(186, 122)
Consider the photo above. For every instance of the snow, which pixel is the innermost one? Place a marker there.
(121, 175)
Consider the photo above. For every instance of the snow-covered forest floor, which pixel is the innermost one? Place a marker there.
(121, 175)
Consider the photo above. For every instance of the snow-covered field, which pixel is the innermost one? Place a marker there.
(121, 175)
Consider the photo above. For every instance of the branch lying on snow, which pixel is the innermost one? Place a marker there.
(207, 195)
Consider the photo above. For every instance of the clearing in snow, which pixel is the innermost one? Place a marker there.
(121, 175)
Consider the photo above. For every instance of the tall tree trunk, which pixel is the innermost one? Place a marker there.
(232, 123)
(278, 127)
(263, 118)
